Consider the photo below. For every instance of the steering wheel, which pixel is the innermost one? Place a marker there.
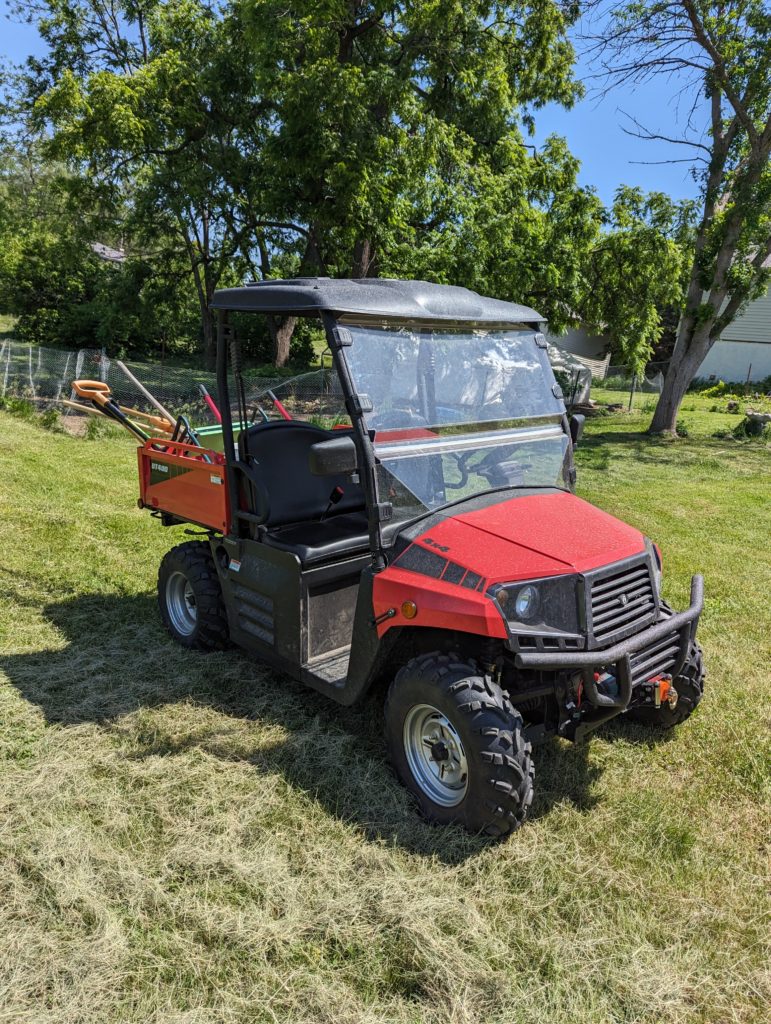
(397, 419)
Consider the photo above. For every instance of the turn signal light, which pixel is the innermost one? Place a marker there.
(409, 609)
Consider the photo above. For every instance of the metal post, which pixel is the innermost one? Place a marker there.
(31, 379)
(631, 393)
(7, 369)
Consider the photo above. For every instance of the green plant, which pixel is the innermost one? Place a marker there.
(20, 407)
(50, 420)
(682, 428)
(95, 429)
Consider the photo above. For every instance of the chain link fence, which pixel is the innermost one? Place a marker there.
(618, 386)
(44, 376)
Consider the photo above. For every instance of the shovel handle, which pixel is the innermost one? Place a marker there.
(95, 390)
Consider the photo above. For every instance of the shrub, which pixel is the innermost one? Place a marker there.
(50, 420)
(681, 427)
(20, 407)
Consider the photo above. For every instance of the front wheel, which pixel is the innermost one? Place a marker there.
(457, 744)
(190, 598)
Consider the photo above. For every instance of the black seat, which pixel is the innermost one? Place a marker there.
(294, 505)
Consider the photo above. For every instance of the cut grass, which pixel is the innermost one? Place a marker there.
(196, 839)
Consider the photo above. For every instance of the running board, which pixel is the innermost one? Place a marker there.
(329, 671)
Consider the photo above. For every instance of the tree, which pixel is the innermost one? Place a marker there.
(153, 104)
(399, 142)
(720, 53)
(344, 138)
(637, 271)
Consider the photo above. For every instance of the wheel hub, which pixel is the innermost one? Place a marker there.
(181, 603)
(435, 755)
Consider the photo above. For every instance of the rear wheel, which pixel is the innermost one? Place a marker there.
(689, 686)
(190, 598)
(457, 744)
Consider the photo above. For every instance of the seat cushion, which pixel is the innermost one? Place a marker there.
(324, 541)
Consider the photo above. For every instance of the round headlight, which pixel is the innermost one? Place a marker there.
(526, 603)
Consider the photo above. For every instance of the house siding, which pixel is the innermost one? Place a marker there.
(737, 361)
(580, 342)
(754, 324)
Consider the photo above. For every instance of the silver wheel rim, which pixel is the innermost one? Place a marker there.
(180, 601)
(435, 755)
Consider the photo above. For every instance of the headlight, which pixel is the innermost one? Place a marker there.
(539, 606)
(526, 602)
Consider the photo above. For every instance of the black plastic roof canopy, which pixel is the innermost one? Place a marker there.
(372, 297)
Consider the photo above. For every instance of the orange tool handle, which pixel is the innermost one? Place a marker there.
(99, 391)
(95, 390)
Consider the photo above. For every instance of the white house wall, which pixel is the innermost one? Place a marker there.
(580, 342)
(736, 360)
(744, 349)
(754, 324)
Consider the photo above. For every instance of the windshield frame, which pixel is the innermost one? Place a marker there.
(343, 341)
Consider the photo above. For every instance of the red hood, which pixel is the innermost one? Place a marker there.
(534, 535)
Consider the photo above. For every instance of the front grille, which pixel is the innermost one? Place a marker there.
(657, 659)
(621, 603)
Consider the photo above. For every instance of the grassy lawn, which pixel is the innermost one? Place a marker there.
(189, 838)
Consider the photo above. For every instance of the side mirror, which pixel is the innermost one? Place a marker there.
(336, 457)
(576, 428)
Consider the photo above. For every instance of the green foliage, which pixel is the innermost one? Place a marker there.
(276, 139)
(61, 291)
(49, 420)
(22, 408)
(637, 269)
(95, 429)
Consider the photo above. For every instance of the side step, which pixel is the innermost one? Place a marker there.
(330, 670)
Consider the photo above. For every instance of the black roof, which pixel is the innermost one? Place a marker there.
(372, 297)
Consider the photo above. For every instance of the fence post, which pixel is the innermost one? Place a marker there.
(7, 369)
(631, 391)
(78, 368)
(31, 379)
(62, 379)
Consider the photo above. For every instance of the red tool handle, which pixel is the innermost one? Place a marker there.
(210, 402)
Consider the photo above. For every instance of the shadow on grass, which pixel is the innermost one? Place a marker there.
(118, 661)
(598, 447)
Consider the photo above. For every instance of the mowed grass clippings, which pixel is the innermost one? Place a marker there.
(198, 839)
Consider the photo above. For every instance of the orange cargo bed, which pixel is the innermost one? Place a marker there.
(175, 478)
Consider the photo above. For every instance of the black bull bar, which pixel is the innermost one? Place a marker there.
(684, 623)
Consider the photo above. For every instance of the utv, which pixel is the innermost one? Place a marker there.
(407, 516)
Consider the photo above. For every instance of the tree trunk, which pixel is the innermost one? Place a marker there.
(209, 339)
(690, 352)
(281, 330)
(364, 259)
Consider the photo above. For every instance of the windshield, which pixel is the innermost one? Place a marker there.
(457, 412)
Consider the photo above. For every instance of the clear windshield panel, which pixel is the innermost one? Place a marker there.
(314, 397)
(441, 377)
(455, 413)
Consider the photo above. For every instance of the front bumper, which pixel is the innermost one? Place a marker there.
(681, 627)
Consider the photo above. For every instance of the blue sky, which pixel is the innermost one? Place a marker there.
(593, 127)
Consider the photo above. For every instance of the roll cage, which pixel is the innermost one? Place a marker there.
(339, 305)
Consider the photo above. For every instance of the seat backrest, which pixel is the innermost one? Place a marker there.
(278, 451)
